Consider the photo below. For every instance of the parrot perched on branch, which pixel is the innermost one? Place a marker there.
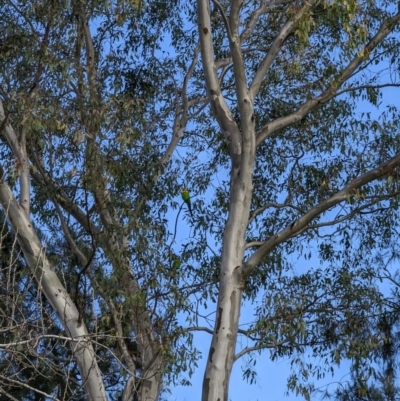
(186, 198)
(176, 263)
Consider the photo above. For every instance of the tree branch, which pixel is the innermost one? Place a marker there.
(354, 88)
(202, 328)
(223, 15)
(20, 383)
(252, 21)
(8, 395)
(18, 148)
(218, 103)
(301, 223)
(127, 359)
(62, 199)
(276, 47)
(331, 92)
(55, 293)
(258, 348)
(274, 205)
(344, 218)
(253, 244)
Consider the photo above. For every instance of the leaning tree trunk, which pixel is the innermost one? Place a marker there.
(55, 293)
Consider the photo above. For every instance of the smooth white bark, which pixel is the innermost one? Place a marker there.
(242, 144)
(55, 293)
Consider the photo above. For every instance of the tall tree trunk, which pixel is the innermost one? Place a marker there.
(223, 345)
(222, 350)
(241, 144)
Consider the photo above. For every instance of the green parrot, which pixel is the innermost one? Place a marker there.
(186, 198)
(176, 264)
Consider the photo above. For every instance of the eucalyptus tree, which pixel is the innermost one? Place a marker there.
(283, 80)
(92, 108)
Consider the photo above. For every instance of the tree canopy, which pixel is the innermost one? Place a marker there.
(271, 113)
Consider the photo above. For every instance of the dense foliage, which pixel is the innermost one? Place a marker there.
(108, 101)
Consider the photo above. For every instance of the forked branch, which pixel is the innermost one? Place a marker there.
(301, 224)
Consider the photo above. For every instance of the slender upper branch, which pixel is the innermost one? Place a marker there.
(234, 16)
(300, 224)
(181, 115)
(368, 86)
(272, 205)
(180, 122)
(276, 47)
(218, 103)
(237, 55)
(255, 15)
(359, 210)
(259, 348)
(62, 199)
(90, 54)
(223, 16)
(202, 328)
(245, 101)
(332, 90)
